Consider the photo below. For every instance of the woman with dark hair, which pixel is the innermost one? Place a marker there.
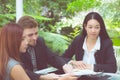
(12, 43)
(93, 49)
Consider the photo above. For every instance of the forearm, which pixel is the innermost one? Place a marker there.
(32, 75)
(105, 68)
(50, 76)
(58, 61)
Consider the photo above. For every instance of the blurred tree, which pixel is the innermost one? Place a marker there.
(80, 5)
(7, 6)
(110, 11)
(50, 15)
(7, 11)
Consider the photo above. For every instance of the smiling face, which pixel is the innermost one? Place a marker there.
(92, 28)
(32, 35)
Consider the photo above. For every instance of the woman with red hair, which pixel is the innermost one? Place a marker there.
(12, 43)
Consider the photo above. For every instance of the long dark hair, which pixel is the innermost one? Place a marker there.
(10, 41)
(94, 15)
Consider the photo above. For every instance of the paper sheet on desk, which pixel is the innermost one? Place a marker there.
(76, 72)
(84, 72)
(46, 70)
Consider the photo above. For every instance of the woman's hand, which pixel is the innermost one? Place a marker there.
(68, 77)
(51, 76)
(80, 65)
(68, 68)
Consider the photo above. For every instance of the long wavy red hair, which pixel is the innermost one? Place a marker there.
(10, 41)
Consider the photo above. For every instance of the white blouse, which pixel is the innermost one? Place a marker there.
(88, 56)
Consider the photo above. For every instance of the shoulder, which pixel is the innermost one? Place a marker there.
(40, 39)
(17, 67)
(107, 43)
(78, 39)
(12, 63)
(40, 42)
(18, 72)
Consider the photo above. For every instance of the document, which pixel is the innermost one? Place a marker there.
(46, 70)
(87, 72)
(76, 72)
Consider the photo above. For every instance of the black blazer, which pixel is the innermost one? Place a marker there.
(44, 57)
(105, 58)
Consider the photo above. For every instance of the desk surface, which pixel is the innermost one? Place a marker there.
(103, 76)
(112, 76)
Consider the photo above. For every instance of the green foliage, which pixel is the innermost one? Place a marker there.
(32, 7)
(41, 20)
(5, 18)
(113, 32)
(115, 36)
(69, 27)
(7, 11)
(56, 5)
(7, 6)
(76, 32)
(80, 5)
(116, 41)
(53, 29)
(111, 12)
(56, 42)
(35, 6)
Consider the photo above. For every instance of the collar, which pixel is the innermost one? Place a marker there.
(96, 47)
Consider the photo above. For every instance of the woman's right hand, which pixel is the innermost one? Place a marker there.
(68, 77)
(51, 76)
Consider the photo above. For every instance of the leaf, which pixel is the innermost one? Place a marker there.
(56, 42)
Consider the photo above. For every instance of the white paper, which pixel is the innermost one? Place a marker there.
(46, 70)
(84, 72)
(76, 72)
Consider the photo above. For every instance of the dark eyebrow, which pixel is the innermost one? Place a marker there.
(36, 33)
(98, 25)
(30, 34)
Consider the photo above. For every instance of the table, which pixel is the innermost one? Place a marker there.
(104, 76)
(112, 76)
